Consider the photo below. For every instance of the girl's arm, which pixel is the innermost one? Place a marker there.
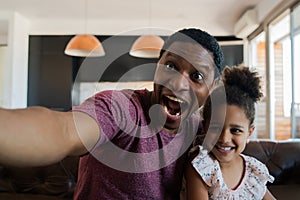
(195, 187)
(269, 196)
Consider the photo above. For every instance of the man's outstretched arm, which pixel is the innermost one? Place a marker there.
(39, 136)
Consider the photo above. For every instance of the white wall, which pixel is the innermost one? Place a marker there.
(18, 41)
(3, 39)
(119, 27)
(15, 72)
(3, 64)
(296, 17)
(265, 7)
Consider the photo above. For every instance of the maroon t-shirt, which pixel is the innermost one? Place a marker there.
(134, 158)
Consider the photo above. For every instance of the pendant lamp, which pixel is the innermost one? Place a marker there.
(147, 46)
(84, 45)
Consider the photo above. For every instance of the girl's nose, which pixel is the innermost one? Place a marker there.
(225, 136)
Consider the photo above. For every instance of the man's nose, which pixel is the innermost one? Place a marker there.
(179, 81)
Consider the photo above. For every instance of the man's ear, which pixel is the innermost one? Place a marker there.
(216, 82)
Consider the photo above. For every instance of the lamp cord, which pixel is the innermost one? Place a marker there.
(85, 16)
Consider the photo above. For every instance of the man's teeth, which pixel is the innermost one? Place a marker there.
(174, 99)
(166, 110)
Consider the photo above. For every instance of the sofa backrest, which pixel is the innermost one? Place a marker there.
(57, 179)
(281, 157)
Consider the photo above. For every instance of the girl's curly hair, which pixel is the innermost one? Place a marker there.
(242, 88)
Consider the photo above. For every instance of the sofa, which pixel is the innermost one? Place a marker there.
(58, 181)
(53, 182)
(283, 161)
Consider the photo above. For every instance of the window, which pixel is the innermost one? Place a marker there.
(280, 72)
(295, 101)
(276, 58)
(258, 62)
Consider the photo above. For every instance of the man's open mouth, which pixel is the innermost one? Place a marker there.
(173, 105)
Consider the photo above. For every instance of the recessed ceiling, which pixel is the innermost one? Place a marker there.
(157, 13)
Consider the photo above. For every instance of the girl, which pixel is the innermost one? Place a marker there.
(219, 170)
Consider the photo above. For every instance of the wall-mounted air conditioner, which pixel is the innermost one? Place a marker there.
(246, 24)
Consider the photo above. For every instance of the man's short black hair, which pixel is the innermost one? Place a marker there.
(201, 37)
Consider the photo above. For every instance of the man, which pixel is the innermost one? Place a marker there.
(133, 143)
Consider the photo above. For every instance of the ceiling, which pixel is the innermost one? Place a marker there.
(215, 16)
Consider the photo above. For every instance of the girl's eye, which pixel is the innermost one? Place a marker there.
(235, 131)
(197, 76)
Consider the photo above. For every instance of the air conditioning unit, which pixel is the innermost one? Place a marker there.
(246, 24)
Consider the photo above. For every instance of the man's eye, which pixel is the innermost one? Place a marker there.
(197, 76)
(214, 128)
(170, 66)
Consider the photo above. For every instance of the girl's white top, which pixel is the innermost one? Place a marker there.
(252, 185)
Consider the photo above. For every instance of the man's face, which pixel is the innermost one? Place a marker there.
(183, 78)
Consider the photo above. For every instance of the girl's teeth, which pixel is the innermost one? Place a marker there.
(225, 148)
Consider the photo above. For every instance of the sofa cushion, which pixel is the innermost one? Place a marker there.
(285, 192)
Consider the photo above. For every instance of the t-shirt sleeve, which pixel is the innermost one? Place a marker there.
(108, 109)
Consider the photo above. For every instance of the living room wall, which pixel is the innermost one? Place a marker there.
(51, 73)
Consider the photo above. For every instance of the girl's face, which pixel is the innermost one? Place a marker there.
(233, 134)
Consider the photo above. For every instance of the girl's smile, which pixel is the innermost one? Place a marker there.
(233, 136)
